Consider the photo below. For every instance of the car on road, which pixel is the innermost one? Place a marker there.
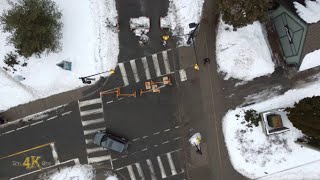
(111, 141)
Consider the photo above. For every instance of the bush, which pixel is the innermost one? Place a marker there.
(34, 25)
(305, 115)
(252, 117)
(11, 59)
(240, 13)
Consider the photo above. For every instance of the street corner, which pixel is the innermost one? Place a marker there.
(28, 160)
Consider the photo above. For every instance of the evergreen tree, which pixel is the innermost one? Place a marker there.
(240, 13)
(34, 25)
(305, 115)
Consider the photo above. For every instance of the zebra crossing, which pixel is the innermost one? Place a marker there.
(146, 68)
(160, 167)
(91, 113)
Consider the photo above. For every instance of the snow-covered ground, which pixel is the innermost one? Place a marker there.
(180, 14)
(254, 154)
(309, 13)
(310, 60)
(90, 42)
(80, 172)
(243, 54)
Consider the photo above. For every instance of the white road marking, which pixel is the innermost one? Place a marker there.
(153, 175)
(144, 137)
(156, 133)
(91, 131)
(54, 154)
(144, 149)
(146, 67)
(36, 123)
(166, 61)
(8, 132)
(109, 102)
(171, 164)
(95, 149)
(183, 75)
(124, 74)
(51, 118)
(124, 156)
(98, 159)
(89, 102)
(92, 111)
(134, 70)
(176, 127)
(131, 173)
(166, 130)
(177, 138)
(156, 64)
(155, 146)
(165, 142)
(94, 121)
(140, 172)
(136, 139)
(66, 113)
(120, 98)
(119, 168)
(163, 173)
(89, 141)
(22, 127)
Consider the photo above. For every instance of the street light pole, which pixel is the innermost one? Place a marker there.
(191, 39)
(87, 80)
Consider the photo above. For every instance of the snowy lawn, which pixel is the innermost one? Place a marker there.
(254, 154)
(243, 54)
(180, 14)
(310, 12)
(80, 172)
(90, 43)
(310, 60)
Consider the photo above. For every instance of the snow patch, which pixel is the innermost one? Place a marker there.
(79, 172)
(89, 42)
(140, 25)
(255, 154)
(180, 14)
(309, 13)
(310, 60)
(243, 54)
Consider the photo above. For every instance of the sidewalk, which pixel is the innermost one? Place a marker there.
(43, 104)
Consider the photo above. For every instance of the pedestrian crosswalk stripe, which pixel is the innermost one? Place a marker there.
(172, 167)
(98, 159)
(153, 174)
(163, 173)
(146, 67)
(166, 61)
(94, 121)
(91, 131)
(92, 111)
(124, 74)
(95, 149)
(89, 102)
(140, 172)
(131, 173)
(134, 70)
(183, 75)
(156, 64)
(89, 141)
